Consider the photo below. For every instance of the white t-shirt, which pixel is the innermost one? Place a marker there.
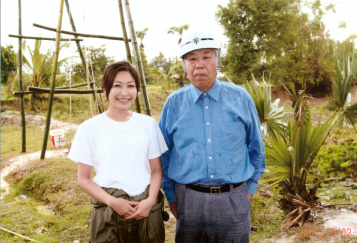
(119, 151)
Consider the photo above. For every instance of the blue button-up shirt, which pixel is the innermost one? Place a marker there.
(213, 138)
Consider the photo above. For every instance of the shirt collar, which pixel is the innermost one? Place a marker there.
(213, 92)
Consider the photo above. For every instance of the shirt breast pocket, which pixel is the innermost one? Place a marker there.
(233, 136)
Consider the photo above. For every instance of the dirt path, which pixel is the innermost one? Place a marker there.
(21, 160)
(332, 221)
(13, 163)
(13, 118)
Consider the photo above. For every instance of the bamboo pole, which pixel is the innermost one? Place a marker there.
(64, 91)
(80, 34)
(53, 81)
(72, 86)
(23, 121)
(138, 60)
(127, 48)
(60, 91)
(80, 49)
(43, 38)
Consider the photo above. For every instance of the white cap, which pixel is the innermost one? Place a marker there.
(197, 40)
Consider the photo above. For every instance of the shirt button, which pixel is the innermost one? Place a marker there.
(212, 176)
(209, 157)
(206, 107)
(207, 123)
(209, 140)
(204, 94)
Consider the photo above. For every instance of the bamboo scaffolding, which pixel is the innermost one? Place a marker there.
(53, 81)
(80, 34)
(43, 38)
(127, 48)
(23, 121)
(100, 108)
(138, 60)
(67, 89)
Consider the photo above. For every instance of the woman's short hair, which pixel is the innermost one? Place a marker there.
(113, 69)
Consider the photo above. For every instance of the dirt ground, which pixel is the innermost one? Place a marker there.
(317, 98)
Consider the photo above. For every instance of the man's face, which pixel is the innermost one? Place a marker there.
(201, 67)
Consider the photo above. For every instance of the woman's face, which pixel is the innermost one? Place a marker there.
(123, 92)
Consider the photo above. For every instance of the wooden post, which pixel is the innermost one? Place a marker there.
(23, 121)
(80, 50)
(138, 60)
(53, 81)
(127, 48)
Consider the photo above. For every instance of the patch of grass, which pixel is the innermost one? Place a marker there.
(266, 216)
(11, 137)
(51, 183)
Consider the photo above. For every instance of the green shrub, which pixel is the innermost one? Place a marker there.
(339, 155)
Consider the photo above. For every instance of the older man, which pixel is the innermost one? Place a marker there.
(216, 152)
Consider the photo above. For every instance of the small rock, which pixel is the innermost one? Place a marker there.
(41, 230)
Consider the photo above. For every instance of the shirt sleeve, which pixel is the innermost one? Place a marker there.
(157, 143)
(81, 149)
(256, 149)
(168, 185)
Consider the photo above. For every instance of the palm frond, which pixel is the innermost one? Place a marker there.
(270, 114)
(341, 97)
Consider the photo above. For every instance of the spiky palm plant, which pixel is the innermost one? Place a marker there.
(289, 159)
(290, 151)
(270, 114)
(341, 99)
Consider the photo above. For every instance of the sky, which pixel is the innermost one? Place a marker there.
(102, 18)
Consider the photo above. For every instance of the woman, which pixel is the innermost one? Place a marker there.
(124, 148)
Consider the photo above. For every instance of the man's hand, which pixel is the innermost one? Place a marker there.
(173, 209)
(250, 197)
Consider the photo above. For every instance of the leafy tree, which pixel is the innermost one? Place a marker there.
(179, 30)
(149, 76)
(276, 37)
(8, 62)
(161, 63)
(252, 27)
(97, 60)
(176, 73)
